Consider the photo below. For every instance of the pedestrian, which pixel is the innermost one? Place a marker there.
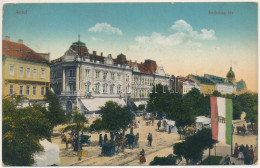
(227, 160)
(251, 151)
(131, 130)
(150, 139)
(169, 129)
(100, 139)
(236, 151)
(105, 138)
(112, 136)
(136, 138)
(152, 120)
(159, 124)
(247, 159)
(142, 156)
(241, 152)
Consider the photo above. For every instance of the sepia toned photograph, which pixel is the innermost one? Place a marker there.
(129, 83)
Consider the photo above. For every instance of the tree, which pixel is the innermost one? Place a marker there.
(157, 102)
(55, 114)
(22, 130)
(115, 117)
(77, 126)
(216, 94)
(170, 160)
(192, 148)
(97, 125)
(141, 107)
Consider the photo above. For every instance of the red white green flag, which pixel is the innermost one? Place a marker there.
(221, 119)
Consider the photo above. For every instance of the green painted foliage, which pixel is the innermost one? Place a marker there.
(22, 130)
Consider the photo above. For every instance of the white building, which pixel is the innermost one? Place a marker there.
(185, 85)
(79, 76)
(222, 84)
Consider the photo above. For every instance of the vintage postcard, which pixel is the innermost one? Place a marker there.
(129, 83)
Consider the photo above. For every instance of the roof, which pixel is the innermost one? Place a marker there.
(94, 104)
(18, 50)
(219, 80)
(78, 43)
(183, 79)
(203, 80)
(241, 85)
(203, 120)
(230, 73)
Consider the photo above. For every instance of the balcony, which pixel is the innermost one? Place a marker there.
(88, 94)
(69, 93)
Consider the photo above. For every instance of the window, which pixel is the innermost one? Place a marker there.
(27, 90)
(42, 91)
(28, 72)
(112, 76)
(97, 74)
(118, 89)
(34, 91)
(105, 75)
(34, 73)
(11, 90)
(21, 71)
(21, 90)
(72, 73)
(97, 88)
(87, 88)
(128, 89)
(111, 89)
(104, 88)
(118, 76)
(11, 70)
(87, 73)
(43, 73)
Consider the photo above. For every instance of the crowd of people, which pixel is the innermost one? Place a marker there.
(245, 153)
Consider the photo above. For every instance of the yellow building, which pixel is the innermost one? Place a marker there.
(25, 72)
(207, 87)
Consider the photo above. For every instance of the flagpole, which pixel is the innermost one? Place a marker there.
(231, 140)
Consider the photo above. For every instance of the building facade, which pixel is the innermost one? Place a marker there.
(222, 85)
(79, 76)
(24, 71)
(207, 87)
(185, 85)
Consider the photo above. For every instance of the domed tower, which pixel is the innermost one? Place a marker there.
(231, 77)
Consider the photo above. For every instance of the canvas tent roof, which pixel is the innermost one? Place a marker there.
(49, 156)
(139, 103)
(170, 122)
(94, 104)
(203, 120)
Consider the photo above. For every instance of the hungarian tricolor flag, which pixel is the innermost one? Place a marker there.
(221, 119)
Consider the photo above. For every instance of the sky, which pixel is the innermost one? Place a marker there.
(184, 38)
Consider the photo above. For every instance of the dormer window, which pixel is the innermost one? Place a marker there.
(19, 50)
(7, 48)
(30, 53)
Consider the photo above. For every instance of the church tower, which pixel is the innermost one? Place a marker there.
(231, 78)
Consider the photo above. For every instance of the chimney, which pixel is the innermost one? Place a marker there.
(7, 38)
(94, 53)
(101, 54)
(20, 41)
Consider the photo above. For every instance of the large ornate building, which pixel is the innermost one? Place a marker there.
(24, 71)
(87, 80)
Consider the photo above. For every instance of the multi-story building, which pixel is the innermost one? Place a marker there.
(222, 85)
(24, 71)
(185, 85)
(207, 87)
(87, 80)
